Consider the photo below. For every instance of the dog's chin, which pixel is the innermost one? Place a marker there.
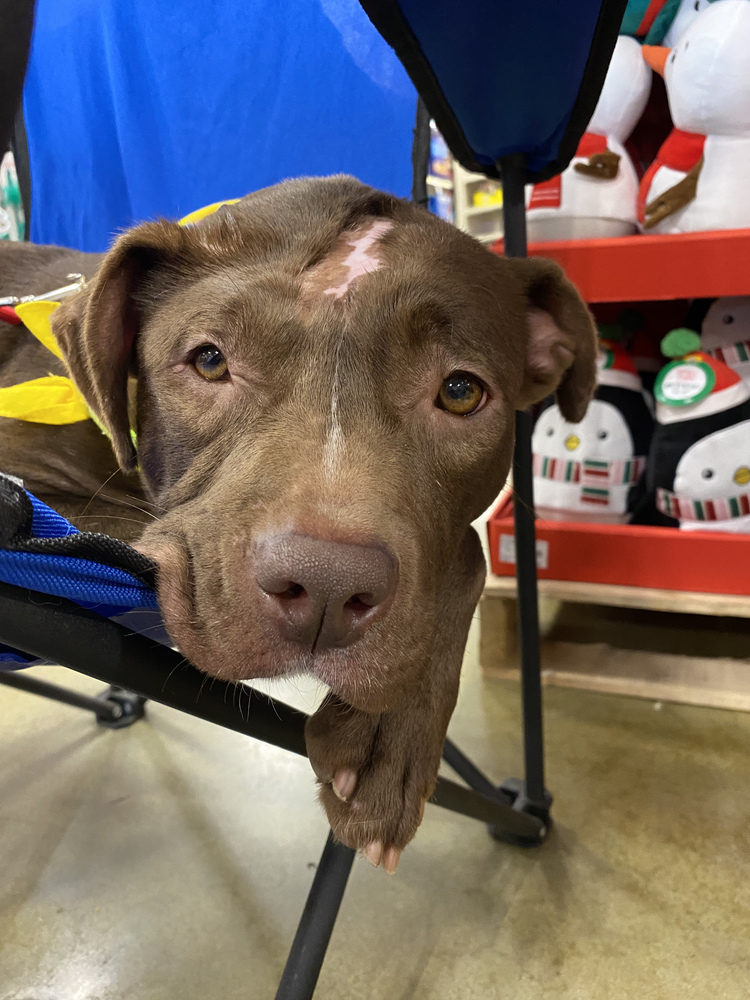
(350, 673)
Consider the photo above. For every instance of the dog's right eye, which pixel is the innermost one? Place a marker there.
(461, 393)
(210, 363)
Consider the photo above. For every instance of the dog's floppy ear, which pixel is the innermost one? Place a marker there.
(97, 329)
(561, 346)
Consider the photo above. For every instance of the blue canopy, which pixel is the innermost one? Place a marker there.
(140, 109)
(502, 77)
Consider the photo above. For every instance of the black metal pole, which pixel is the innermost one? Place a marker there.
(316, 924)
(35, 685)
(512, 169)
(514, 217)
(420, 155)
(468, 770)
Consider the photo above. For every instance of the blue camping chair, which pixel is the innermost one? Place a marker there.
(512, 87)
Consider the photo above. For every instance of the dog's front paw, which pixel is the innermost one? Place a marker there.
(375, 778)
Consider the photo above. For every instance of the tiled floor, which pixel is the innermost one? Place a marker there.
(170, 862)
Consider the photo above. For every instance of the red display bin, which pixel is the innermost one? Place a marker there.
(628, 555)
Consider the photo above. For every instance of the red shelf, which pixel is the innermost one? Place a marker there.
(650, 268)
(627, 555)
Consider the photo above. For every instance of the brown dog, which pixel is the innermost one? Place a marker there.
(323, 380)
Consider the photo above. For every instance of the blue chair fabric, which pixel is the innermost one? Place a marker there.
(43, 552)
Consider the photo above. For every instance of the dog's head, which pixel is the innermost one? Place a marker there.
(323, 380)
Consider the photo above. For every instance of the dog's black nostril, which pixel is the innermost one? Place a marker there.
(361, 602)
(294, 590)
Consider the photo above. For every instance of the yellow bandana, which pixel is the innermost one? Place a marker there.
(54, 399)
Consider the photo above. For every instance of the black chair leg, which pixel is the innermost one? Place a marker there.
(114, 708)
(529, 794)
(316, 924)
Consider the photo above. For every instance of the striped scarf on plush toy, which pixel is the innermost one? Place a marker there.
(589, 472)
(594, 477)
(732, 354)
(683, 509)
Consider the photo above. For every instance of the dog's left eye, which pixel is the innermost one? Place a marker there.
(209, 362)
(461, 393)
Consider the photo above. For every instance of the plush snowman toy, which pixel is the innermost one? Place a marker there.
(707, 75)
(698, 473)
(586, 471)
(664, 189)
(596, 195)
(725, 333)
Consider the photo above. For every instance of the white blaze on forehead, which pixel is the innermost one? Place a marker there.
(362, 256)
(334, 445)
(356, 254)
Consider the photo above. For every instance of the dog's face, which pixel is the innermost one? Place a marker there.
(323, 381)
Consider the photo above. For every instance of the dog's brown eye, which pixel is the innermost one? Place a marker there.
(209, 362)
(461, 393)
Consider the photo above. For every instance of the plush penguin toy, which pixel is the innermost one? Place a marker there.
(698, 472)
(707, 75)
(725, 333)
(586, 471)
(596, 196)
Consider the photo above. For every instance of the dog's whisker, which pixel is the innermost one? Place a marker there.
(147, 628)
(151, 503)
(107, 480)
(200, 689)
(108, 517)
(177, 666)
(120, 502)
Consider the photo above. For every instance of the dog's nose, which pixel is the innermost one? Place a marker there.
(323, 594)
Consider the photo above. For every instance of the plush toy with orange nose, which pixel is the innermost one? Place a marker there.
(700, 178)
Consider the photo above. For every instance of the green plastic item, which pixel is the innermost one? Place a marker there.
(680, 342)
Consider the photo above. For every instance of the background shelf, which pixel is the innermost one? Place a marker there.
(654, 268)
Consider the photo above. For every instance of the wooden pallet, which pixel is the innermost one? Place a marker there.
(665, 645)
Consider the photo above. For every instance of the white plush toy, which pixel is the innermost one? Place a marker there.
(714, 474)
(596, 195)
(681, 151)
(725, 333)
(707, 75)
(586, 471)
(682, 18)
